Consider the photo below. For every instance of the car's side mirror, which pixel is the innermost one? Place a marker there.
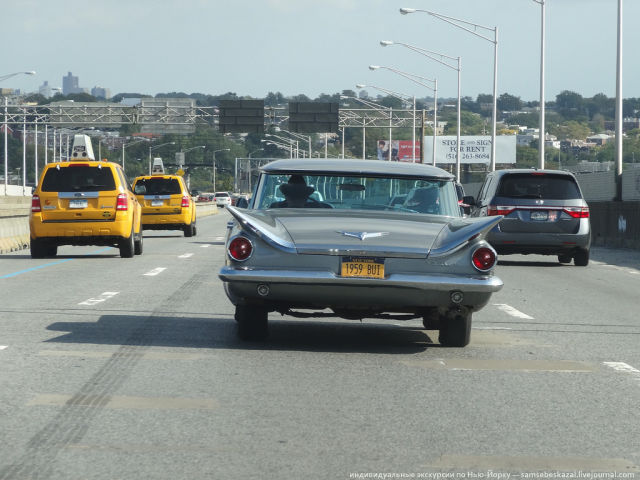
(469, 200)
(242, 203)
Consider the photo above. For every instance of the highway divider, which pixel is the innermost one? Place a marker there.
(14, 221)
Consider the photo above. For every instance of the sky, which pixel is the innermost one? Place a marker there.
(253, 47)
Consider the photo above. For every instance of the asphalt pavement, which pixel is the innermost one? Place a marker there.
(117, 368)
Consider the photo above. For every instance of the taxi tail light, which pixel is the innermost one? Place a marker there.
(240, 248)
(577, 212)
(484, 258)
(35, 204)
(122, 203)
(493, 210)
(185, 202)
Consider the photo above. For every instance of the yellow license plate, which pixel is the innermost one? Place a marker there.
(363, 267)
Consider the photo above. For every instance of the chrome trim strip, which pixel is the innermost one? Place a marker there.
(78, 194)
(158, 197)
(479, 283)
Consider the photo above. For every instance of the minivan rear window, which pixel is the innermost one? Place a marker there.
(158, 186)
(78, 178)
(539, 185)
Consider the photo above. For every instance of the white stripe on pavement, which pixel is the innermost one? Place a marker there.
(623, 367)
(205, 246)
(186, 255)
(104, 296)
(509, 310)
(2, 347)
(155, 271)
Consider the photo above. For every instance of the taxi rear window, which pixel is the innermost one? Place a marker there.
(80, 178)
(158, 186)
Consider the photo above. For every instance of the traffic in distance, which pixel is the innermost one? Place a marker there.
(363, 239)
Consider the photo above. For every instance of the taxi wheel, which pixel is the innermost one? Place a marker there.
(38, 248)
(127, 246)
(455, 331)
(252, 322)
(189, 230)
(137, 248)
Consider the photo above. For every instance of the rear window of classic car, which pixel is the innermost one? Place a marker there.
(78, 178)
(422, 195)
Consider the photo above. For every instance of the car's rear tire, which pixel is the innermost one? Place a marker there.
(138, 245)
(581, 258)
(38, 248)
(564, 258)
(127, 246)
(51, 250)
(252, 322)
(455, 331)
(189, 230)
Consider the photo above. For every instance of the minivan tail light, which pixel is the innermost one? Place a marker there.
(185, 202)
(35, 204)
(122, 202)
(493, 210)
(483, 259)
(577, 212)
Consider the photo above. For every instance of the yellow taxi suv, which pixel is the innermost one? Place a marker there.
(84, 202)
(166, 203)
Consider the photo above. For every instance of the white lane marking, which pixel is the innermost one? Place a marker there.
(186, 255)
(104, 296)
(155, 272)
(628, 270)
(624, 368)
(2, 347)
(492, 328)
(508, 309)
(205, 246)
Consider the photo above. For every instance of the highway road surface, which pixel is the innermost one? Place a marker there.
(115, 368)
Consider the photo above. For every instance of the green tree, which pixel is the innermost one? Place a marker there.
(509, 103)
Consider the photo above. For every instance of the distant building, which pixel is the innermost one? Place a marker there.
(47, 90)
(70, 85)
(100, 92)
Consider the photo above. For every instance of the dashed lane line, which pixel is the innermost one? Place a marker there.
(101, 298)
(2, 347)
(509, 310)
(155, 272)
(185, 255)
(624, 368)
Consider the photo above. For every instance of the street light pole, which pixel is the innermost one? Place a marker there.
(413, 78)
(542, 136)
(619, 105)
(404, 98)
(465, 25)
(214, 165)
(153, 147)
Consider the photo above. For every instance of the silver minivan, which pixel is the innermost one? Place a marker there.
(544, 213)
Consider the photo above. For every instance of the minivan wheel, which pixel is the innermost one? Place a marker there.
(127, 246)
(564, 258)
(252, 322)
(455, 331)
(581, 258)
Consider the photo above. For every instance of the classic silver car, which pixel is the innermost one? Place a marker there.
(360, 252)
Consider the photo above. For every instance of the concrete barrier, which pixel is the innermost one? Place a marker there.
(615, 224)
(14, 221)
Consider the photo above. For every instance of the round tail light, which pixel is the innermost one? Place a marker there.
(240, 248)
(484, 258)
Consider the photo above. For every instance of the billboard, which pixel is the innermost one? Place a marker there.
(473, 149)
(401, 150)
